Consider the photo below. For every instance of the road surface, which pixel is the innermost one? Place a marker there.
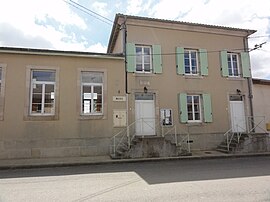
(229, 179)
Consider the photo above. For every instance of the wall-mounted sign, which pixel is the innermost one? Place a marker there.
(119, 98)
(166, 117)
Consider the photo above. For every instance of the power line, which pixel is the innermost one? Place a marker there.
(262, 36)
(89, 12)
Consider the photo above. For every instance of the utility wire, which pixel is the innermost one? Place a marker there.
(89, 12)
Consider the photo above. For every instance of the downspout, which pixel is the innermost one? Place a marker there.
(250, 94)
(124, 28)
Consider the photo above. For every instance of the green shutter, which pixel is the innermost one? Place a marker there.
(224, 63)
(245, 64)
(131, 57)
(207, 108)
(180, 63)
(182, 105)
(203, 62)
(157, 62)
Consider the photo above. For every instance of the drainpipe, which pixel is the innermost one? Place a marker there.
(124, 28)
(250, 95)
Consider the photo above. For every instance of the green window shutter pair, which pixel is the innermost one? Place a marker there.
(245, 64)
(131, 58)
(180, 61)
(207, 108)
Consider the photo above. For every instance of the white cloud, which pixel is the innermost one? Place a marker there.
(101, 8)
(134, 7)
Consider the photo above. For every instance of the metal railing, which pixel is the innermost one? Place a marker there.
(179, 138)
(125, 137)
(253, 124)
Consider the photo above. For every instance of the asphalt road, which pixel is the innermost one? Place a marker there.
(231, 179)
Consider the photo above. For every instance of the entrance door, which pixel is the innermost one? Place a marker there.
(145, 115)
(238, 120)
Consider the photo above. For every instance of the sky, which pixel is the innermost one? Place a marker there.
(57, 25)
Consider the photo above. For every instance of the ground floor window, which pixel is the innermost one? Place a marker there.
(91, 93)
(42, 100)
(194, 108)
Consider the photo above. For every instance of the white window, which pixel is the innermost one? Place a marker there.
(143, 59)
(91, 93)
(194, 108)
(42, 100)
(233, 64)
(191, 62)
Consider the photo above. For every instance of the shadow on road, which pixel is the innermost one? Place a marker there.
(162, 171)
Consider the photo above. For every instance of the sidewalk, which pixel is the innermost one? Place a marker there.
(73, 161)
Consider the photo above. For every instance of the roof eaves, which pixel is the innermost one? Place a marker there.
(32, 51)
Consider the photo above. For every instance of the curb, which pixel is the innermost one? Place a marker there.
(119, 161)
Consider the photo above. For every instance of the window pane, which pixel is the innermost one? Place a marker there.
(147, 67)
(190, 116)
(146, 51)
(97, 99)
(197, 116)
(37, 98)
(43, 75)
(138, 67)
(92, 77)
(48, 108)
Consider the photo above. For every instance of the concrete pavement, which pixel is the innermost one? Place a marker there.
(73, 161)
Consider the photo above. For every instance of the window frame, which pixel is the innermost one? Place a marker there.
(2, 89)
(230, 55)
(190, 51)
(28, 116)
(193, 109)
(91, 85)
(43, 92)
(142, 58)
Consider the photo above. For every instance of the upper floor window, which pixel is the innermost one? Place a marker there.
(191, 62)
(42, 101)
(143, 59)
(233, 64)
(91, 93)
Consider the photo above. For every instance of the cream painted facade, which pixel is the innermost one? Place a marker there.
(157, 75)
(261, 96)
(171, 85)
(66, 132)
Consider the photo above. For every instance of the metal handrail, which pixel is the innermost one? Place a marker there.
(178, 140)
(249, 131)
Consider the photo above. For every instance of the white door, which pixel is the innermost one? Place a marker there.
(145, 117)
(238, 120)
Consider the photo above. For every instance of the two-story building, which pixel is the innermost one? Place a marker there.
(161, 81)
(194, 77)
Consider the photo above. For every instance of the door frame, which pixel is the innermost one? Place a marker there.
(234, 119)
(153, 100)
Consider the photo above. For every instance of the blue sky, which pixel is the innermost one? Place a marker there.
(54, 24)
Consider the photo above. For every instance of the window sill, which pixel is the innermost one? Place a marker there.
(143, 74)
(193, 76)
(41, 118)
(91, 116)
(235, 78)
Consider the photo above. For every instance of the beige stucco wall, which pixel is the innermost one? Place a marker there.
(261, 97)
(168, 84)
(69, 134)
